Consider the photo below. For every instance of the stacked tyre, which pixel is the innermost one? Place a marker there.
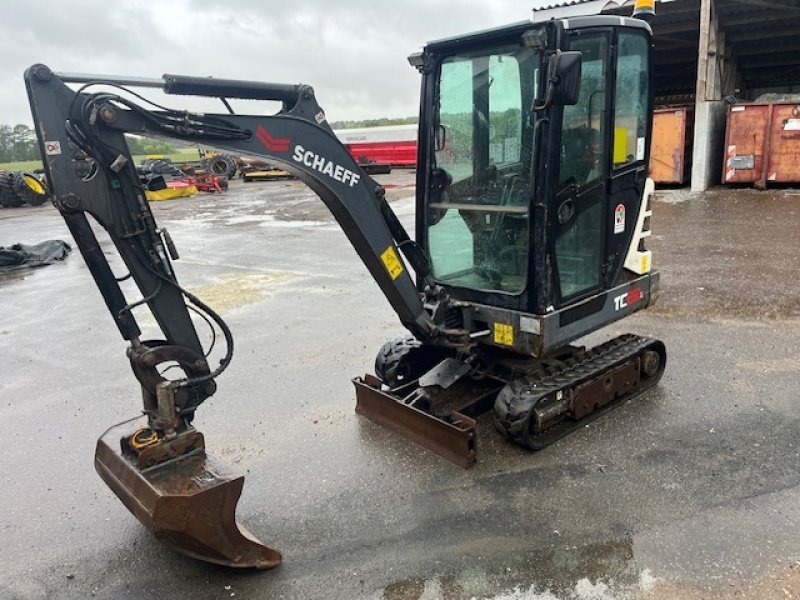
(8, 197)
(160, 166)
(221, 165)
(20, 187)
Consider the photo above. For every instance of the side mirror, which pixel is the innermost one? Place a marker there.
(563, 80)
(440, 138)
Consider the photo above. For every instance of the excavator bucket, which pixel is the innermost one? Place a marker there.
(188, 502)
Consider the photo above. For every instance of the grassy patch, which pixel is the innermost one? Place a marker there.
(21, 165)
(179, 156)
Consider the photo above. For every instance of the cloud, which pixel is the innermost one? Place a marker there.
(353, 53)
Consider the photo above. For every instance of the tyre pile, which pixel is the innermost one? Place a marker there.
(221, 165)
(159, 166)
(208, 175)
(21, 187)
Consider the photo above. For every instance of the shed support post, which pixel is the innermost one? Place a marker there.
(709, 128)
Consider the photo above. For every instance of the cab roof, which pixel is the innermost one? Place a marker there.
(521, 26)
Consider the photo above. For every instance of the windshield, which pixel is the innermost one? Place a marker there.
(477, 217)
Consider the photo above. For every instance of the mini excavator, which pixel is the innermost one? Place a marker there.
(532, 213)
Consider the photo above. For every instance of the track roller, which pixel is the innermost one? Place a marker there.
(539, 409)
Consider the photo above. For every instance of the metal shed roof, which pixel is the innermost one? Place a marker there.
(761, 39)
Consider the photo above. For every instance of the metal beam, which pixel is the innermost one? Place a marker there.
(669, 29)
(770, 4)
(790, 75)
(788, 72)
(748, 19)
(673, 57)
(761, 62)
(790, 45)
(673, 42)
(763, 34)
(753, 81)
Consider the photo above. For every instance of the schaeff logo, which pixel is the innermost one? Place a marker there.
(270, 143)
(325, 166)
(628, 298)
(308, 158)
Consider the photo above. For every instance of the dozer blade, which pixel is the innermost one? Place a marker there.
(188, 502)
(451, 435)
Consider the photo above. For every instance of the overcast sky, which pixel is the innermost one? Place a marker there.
(352, 52)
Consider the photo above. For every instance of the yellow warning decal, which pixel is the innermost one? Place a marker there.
(645, 263)
(392, 262)
(503, 334)
(620, 145)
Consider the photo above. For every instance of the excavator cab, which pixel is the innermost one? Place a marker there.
(534, 146)
(532, 215)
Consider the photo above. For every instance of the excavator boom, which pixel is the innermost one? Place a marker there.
(157, 464)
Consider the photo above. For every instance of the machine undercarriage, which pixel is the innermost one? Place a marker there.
(437, 400)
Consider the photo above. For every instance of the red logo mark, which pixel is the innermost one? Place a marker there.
(634, 296)
(271, 143)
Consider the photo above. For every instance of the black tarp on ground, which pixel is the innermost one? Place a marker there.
(24, 256)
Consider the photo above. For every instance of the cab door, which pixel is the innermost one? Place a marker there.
(579, 205)
(632, 123)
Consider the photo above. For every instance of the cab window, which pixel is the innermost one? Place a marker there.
(632, 90)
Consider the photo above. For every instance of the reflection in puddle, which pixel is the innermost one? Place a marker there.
(583, 589)
(604, 571)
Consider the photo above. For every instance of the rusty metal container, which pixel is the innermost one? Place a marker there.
(762, 144)
(671, 148)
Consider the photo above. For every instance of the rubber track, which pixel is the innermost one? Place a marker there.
(512, 411)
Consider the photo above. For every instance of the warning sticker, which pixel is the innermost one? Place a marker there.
(530, 325)
(52, 148)
(504, 334)
(619, 219)
(392, 262)
(640, 148)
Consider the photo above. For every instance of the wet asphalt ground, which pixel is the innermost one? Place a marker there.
(688, 492)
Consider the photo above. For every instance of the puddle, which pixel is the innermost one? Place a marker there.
(583, 589)
(606, 571)
(603, 571)
(244, 219)
(291, 224)
(13, 276)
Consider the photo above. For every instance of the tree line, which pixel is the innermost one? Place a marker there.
(143, 145)
(382, 122)
(18, 142)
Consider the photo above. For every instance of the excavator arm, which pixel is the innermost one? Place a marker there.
(298, 139)
(157, 463)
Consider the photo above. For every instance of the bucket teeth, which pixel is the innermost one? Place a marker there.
(188, 502)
